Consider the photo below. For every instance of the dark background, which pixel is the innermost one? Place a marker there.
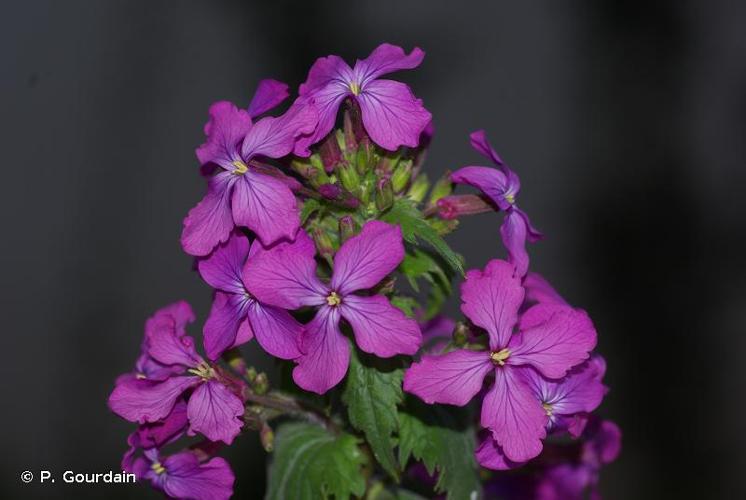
(625, 120)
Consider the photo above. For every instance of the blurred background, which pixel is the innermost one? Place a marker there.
(625, 120)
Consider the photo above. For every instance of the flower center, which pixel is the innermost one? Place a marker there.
(510, 198)
(355, 88)
(241, 168)
(333, 299)
(158, 468)
(499, 357)
(203, 370)
(547, 408)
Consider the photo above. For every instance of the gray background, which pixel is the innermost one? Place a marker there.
(625, 122)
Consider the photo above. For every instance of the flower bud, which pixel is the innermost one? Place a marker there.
(402, 175)
(384, 194)
(319, 176)
(349, 177)
(454, 206)
(329, 191)
(261, 384)
(353, 125)
(330, 153)
(387, 164)
(442, 188)
(267, 437)
(324, 243)
(418, 189)
(347, 228)
(460, 334)
(251, 374)
(364, 156)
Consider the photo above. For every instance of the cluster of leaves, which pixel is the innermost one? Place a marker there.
(374, 435)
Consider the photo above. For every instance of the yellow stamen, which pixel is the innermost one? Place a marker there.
(203, 371)
(510, 198)
(158, 468)
(140, 376)
(355, 88)
(333, 299)
(547, 408)
(241, 167)
(499, 357)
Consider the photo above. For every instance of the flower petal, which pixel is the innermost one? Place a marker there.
(453, 378)
(365, 259)
(491, 299)
(490, 181)
(157, 434)
(274, 137)
(276, 330)
(324, 71)
(553, 339)
(227, 317)
(490, 455)
(269, 93)
(225, 130)
(384, 59)
(513, 233)
(326, 353)
(211, 221)
(538, 290)
(169, 348)
(514, 416)
(148, 401)
(482, 145)
(379, 327)
(267, 206)
(580, 391)
(392, 115)
(175, 316)
(222, 268)
(285, 275)
(326, 100)
(186, 477)
(215, 412)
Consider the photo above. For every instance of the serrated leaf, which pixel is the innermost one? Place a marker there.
(414, 228)
(309, 207)
(310, 463)
(372, 392)
(443, 440)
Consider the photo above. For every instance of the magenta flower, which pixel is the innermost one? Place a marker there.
(182, 475)
(285, 276)
(550, 339)
(242, 193)
(501, 186)
(391, 114)
(212, 408)
(236, 317)
(567, 403)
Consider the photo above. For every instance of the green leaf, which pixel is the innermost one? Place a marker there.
(309, 207)
(441, 437)
(414, 228)
(407, 305)
(420, 264)
(311, 463)
(371, 393)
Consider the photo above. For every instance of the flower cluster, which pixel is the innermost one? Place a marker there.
(309, 218)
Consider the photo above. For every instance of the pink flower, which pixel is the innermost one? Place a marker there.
(391, 114)
(550, 339)
(285, 276)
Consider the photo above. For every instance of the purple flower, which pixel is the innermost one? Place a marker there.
(236, 317)
(182, 475)
(285, 276)
(573, 481)
(539, 290)
(550, 339)
(501, 186)
(212, 408)
(391, 114)
(567, 403)
(243, 193)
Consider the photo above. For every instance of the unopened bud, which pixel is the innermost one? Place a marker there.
(349, 177)
(329, 191)
(353, 125)
(347, 228)
(324, 243)
(418, 189)
(442, 188)
(330, 153)
(251, 374)
(267, 437)
(364, 156)
(261, 384)
(387, 164)
(384, 194)
(460, 333)
(402, 175)
(319, 177)
(454, 206)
